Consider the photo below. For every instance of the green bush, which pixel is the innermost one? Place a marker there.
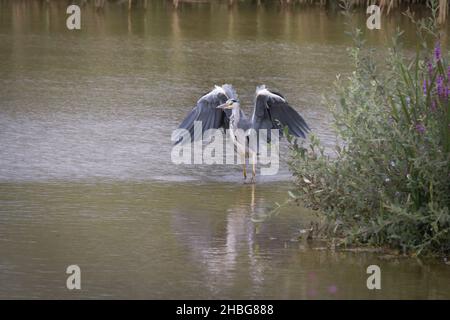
(388, 183)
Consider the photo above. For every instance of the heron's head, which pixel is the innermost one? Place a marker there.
(230, 104)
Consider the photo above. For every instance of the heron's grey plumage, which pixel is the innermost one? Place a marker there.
(220, 109)
(207, 113)
(272, 111)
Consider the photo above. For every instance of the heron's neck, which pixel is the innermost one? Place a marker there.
(235, 114)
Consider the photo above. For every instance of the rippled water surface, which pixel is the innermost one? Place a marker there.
(85, 170)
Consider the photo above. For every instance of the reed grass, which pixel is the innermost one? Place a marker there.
(386, 5)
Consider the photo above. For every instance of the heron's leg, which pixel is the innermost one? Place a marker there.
(244, 165)
(253, 166)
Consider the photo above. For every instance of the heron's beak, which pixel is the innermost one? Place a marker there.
(222, 106)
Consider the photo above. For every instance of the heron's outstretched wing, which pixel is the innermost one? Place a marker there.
(207, 113)
(273, 112)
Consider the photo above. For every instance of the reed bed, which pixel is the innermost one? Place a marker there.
(386, 5)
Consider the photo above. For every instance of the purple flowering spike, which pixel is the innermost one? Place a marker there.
(425, 85)
(430, 68)
(440, 86)
(420, 128)
(433, 106)
(437, 51)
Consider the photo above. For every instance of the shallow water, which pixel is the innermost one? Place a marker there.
(85, 170)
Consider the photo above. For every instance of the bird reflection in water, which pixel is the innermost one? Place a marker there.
(221, 247)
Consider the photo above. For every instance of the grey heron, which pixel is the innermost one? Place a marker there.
(220, 108)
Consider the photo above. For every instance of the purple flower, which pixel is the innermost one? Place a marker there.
(425, 86)
(430, 68)
(437, 51)
(433, 106)
(440, 86)
(420, 128)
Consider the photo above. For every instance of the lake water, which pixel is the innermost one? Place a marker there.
(85, 172)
